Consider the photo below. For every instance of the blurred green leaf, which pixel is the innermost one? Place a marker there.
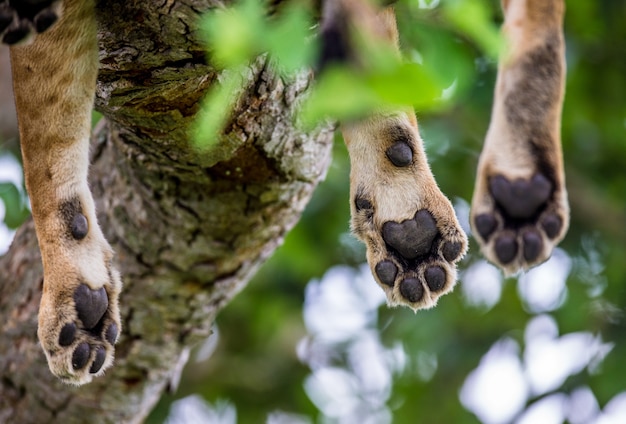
(237, 35)
(473, 18)
(338, 94)
(95, 118)
(216, 108)
(406, 84)
(287, 40)
(16, 211)
(343, 94)
(233, 34)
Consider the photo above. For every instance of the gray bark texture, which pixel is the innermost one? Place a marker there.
(189, 229)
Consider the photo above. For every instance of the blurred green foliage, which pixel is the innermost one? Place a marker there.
(237, 35)
(14, 199)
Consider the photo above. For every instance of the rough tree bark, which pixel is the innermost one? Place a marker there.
(189, 229)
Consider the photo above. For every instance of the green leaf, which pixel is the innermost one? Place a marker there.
(233, 34)
(339, 94)
(16, 211)
(408, 84)
(473, 19)
(288, 40)
(95, 118)
(343, 94)
(216, 108)
(444, 56)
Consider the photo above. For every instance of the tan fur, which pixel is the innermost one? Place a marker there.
(397, 194)
(54, 84)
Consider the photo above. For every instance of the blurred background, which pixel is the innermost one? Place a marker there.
(310, 340)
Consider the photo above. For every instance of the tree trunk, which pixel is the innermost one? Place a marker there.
(189, 229)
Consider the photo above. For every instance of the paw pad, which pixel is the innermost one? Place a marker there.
(44, 20)
(362, 203)
(411, 289)
(400, 154)
(386, 272)
(506, 248)
(520, 219)
(68, 334)
(90, 305)
(533, 244)
(435, 277)
(81, 355)
(418, 262)
(485, 225)
(98, 361)
(79, 226)
(413, 237)
(72, 215)
(452, 250)
(111, 334)
(520, 199)
(18, 19)
(552, 225)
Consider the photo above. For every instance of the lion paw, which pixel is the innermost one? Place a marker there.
(410, 229)
(518, 221)
(19, 20)
(79, 321)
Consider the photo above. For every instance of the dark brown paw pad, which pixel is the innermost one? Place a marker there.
(552, 225)
(418, 267)
(70, 333)
(18, 19)
(452, 250)
(411, 289)
(79, 227)
(506, 248)
(111, 334)
(87, 335)
(400, 154)
(84, 352)
(362, 203)
(90, 305)
(520, 199)
(81, 355)
(435, 278)
(533, 245)
(411, 238)
(485, 225)
(386, 271)
(522, 224)
(71, 213)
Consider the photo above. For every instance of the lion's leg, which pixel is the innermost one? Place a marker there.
(54, 83)
(410, 229)
(519, 208)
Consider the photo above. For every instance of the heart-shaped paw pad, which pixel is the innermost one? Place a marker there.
(413, 237)
(90, 305)
(520, 199)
